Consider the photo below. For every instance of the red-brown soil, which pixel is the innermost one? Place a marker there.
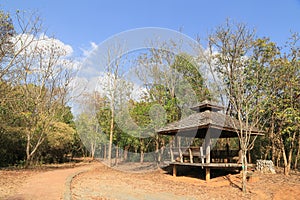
(47, 182)
(97, 181)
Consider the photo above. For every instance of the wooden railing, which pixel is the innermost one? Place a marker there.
(197, 154)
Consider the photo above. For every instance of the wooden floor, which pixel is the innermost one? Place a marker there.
(208, 167)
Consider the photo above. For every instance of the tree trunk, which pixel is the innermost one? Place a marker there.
(161, 152)
(291, 152)
(30, 153)
(157, 149)
(273, 152)
(125, 156)
(28, 161)
(93, 149)
(244, 170)
(142, 150)
(117, 155)
(298, 153)
(272, 140)
(121, 154)
(104, 153)
(278, 158)
(28, 156)
(249, 157)
(142, 156)
(285, 162)
(289, 163)
(111, 138)
(287, 158)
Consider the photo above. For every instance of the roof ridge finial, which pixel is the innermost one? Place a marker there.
(207, 105)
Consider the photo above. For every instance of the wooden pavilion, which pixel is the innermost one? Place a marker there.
(207, 123)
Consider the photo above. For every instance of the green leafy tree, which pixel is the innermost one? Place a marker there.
(187, 67)
(243, 64)
(59, 142)
(117, 89)
(285, 101)
(90, 132)
(7, 31)
(172, 80)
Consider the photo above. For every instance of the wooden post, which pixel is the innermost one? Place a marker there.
(180, 155)
(207, 174)
(172, 142)
(191, 155)
(172, 154)
(202, 156)
(174, 170)
(178, 141)
(207, 146)
(207, 154)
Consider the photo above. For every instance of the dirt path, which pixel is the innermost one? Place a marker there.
(48, 185)
(114, 183)
(97, 181)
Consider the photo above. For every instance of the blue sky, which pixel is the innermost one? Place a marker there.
(78, 23)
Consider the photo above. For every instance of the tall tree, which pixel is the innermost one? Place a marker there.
(172, 79)
(93, 123)
(90, 132)
(190, 71)
(7, 32)
(233, 49)
(285, 101)
(14, 43)
(44, 84)
(117, 89)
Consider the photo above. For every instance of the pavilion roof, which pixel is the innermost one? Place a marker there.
(197, 124)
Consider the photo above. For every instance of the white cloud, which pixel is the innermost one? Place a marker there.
(41, 42)
(46, 42)
(90, 50)
(36, 53)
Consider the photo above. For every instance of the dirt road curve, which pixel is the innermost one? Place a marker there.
(48, 185)
(96, 181)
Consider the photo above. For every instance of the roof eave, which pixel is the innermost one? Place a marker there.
(207, 126)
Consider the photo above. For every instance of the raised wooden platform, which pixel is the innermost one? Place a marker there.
(212, 165)
(209, 166)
